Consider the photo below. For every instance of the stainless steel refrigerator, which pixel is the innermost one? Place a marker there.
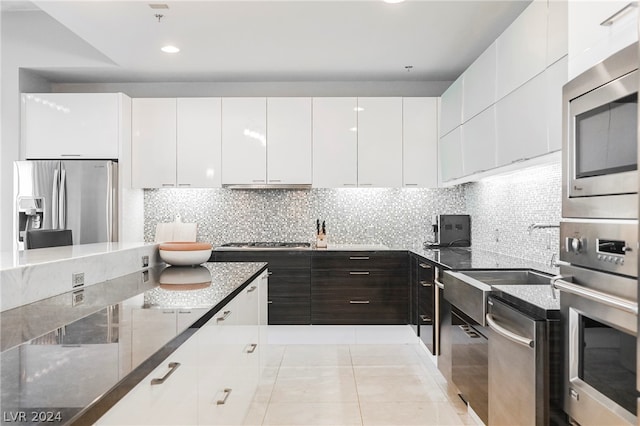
(80, 195)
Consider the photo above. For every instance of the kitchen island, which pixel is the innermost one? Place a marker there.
(27, 276)
(73, 356)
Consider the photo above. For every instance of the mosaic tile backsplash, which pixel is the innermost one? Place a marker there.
(503, 207)
(397, 218)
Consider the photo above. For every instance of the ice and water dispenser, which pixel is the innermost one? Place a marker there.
(30, 215)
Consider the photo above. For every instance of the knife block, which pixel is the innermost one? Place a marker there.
(321, 241)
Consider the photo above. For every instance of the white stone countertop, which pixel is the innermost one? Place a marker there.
(17, 259)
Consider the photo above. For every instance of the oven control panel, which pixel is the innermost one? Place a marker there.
(602, 245)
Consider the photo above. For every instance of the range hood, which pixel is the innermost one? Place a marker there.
(267, 186)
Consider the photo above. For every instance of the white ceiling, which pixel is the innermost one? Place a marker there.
(298, 40)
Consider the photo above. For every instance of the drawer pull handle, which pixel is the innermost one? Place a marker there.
(184, 184)
(359, 258)
(184, 312)
(252, 348)
(168, 184)
(521, 340)
(227, 392)
(425, 284)
(359, 273)
(173, 366)
(269, 302)
(253, 288)
(425, 266)
(168, 312)
(224, 316)
(613, 18)
(269, 273)
(439, 284)
(425, 318)
(359, 302)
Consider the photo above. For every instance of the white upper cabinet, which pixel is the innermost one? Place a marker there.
(450, 150)
(153, 143)
(479, 142)
(71, 125)
(176, 143)
(598, 29)
(244, 141)
(289, 141)
(451, 107)
(420, 142)
(199, 142)
(480, 84)
(521, 119)
(335, 142)
(557, 30)
(380, 142)
(522, 48)
(556, 77)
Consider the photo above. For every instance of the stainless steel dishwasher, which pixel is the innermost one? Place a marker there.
(518, 391)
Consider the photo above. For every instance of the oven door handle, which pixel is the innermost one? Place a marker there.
(516, 338)
(613, 301)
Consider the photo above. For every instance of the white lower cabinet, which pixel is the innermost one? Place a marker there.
(217, 375)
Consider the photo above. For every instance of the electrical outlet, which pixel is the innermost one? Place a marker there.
(77, 279)
(145, 261)
(77, 298)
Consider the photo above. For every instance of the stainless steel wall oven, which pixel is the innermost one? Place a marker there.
(598, 279)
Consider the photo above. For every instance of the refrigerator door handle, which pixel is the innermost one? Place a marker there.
(109, 203)
(55, 199)
(62, 204)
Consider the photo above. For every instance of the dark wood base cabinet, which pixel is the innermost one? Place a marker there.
(359, 288)
(289, 294)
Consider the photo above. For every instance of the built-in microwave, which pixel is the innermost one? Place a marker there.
(600, 147)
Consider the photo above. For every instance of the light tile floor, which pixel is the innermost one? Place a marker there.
(352, 375)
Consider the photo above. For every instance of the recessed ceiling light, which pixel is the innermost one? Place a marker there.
(158, 6)
(170, 49)
(393, 1)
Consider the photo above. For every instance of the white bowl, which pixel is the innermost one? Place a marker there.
(185, 254)
(185, 278)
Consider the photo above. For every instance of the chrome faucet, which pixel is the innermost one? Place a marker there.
(540, 226)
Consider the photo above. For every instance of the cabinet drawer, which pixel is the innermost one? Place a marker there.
(358, 311)
(360, 260)
(289, 311)
(281, 260)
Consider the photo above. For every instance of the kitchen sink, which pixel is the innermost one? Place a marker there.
(469, 290)
(509, 277)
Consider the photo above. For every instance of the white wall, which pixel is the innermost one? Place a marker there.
(273, 88)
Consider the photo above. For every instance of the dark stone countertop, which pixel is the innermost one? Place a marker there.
(68, 358)
(535, 300)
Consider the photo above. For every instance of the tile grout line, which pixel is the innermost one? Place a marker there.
(264, 416)
(355, 382)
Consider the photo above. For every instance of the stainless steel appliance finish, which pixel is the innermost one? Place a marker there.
(265, 245)
(469, 361)
(80, 195)
(518, 389)
(469, 290)
(604, 245)
(599, 313)
(451, 230)
(600, 178)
